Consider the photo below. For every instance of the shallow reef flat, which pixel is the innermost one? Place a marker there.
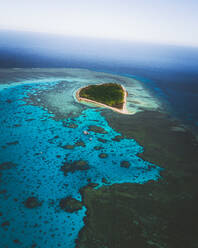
(68, 81)
(160, 213)
(51, 148)
(73, 175)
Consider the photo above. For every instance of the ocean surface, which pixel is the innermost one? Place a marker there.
(51, 146)
(170, 71)
(51, 159)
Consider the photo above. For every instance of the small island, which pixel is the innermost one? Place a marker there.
(109, 95)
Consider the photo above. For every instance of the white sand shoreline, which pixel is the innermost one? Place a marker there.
(121, 111)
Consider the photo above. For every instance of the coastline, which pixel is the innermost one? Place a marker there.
(121, 111)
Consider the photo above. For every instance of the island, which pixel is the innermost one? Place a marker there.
(108, 95)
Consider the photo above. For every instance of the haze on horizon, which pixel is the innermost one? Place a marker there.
(158, 21)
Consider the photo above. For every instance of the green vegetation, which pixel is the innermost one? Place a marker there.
(110, 94)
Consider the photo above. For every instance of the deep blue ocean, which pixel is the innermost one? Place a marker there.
(171, 71)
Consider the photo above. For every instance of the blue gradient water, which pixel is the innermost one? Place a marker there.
(33, 143)
(170, 70)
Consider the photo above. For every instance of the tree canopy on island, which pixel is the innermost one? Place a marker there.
(111, 94)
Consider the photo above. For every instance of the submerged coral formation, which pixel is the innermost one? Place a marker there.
(57, 154)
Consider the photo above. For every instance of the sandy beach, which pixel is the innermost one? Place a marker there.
(121, 111)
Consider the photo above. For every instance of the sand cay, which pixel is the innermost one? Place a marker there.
(63, 97)
(122, 110)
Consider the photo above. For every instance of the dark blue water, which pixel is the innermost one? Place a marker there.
(171, 71)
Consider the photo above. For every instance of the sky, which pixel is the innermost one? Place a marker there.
(158, 21)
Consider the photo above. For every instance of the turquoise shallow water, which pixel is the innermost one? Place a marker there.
(33, 144)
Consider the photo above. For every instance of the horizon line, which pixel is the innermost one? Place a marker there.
(100, 38)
